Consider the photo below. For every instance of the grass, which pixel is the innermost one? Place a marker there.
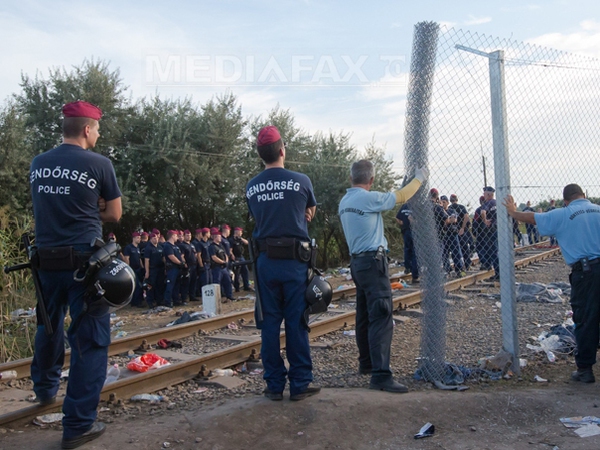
(16, 291)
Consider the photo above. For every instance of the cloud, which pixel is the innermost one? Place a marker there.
(585, 40)
(473, 20)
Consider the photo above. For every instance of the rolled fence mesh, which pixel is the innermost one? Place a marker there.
(551, 105)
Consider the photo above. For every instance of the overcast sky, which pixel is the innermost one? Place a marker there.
(337, 65)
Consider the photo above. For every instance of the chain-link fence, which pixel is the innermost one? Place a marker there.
(510, 116)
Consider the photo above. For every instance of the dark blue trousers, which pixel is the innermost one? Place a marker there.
(410, 254)
(466, 247)
(193, 281)
(89, 338)
(138, 294)
(585, 302)
(282, 284)
(241, 272)
(451, 247)
(221, 276)
(156, 279)
(172, 286)
(374, 325)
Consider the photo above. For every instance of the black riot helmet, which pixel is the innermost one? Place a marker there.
(318, 294)
(110, 281)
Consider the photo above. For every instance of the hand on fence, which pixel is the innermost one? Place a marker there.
(421, 174)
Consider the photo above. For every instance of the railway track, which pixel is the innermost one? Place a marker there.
(249, 346)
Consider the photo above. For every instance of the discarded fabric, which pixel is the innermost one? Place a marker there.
(146, 362)
(152, 398)
(426, 430)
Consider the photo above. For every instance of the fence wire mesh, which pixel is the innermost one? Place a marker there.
(552, 125)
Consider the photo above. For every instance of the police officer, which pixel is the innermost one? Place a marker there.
(74, 191)
(478, 232)
(132, 256)
(490, 233)
(174, 263)
(465, 238)
(238, 243)
(576, 229)
(282, 203)
(205, 269)
(404, 217)
(451, 244)
(188, 284)
(360, 213)
(530, 228)
(219, 264)
(155, 271)
(225, 234)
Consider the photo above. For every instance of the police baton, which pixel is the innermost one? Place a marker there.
(41, 310)
(258, 312)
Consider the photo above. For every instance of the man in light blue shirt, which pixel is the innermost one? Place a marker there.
(577, 229)
(360, 213)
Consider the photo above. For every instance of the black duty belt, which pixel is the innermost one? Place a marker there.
(364, 254)
(579, 266)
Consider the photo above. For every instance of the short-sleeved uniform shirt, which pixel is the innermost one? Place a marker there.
(577, 228)
(219, 251)
(402, 215)
(461, 212)
(360, 212)
(237, 247)
(171, 249)
(66, 183)
(134, 255)
(277, 199)
(189, 253)
(490, 211)
(226, 245)
(440, 216)
(154, 255)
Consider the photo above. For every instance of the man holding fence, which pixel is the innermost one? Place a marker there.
(576, 227)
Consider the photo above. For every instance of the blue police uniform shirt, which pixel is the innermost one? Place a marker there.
(577, 228)
(490, 211)
(277, 199)
(402, 215)
(360, 213)
(189, 253)
(154, 255)
(440, 216)
(217, 250)
(133, 253)
(171, 249)
(226, 245)
(66, 183)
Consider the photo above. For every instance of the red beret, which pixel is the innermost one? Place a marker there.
(238, 229)
(205, 230)
(214, 230)
(453, 197)
(82, 109)
(267, 136)
(199, 230)
(187, 232)
(215, 233)
(111, 235)
(143, 233)
(156, 231)
(152, 235)
(135, 234)
(433, 192)
(225, 227)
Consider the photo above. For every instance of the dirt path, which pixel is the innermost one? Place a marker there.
(354, 419)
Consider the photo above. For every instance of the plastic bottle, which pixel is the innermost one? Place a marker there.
(223, 372)
(112, 374)
(8, 375)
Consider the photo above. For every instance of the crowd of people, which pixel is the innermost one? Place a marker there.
(172, 268)
(461, 236)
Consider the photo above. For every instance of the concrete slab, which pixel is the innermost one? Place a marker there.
(225, 382)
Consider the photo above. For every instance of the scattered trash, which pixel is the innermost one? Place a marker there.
(540, 379)
(426, 430)
(256, 372)
(64, 374)
(233, 326)
(223, 372)
(498, 305)
(152, 398)
(112, 374)
(21, 313)
(583, 426)
(146, 362)
(350, 333)
(300, 433)
(165, 343)
(397, 285)
(538, 292)
(47, 419)
(121, 334)
(342, 287)
(501, 361)
(343, 271)
(522, 362)
(166, 444)
(8, 375)
(200, 391)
